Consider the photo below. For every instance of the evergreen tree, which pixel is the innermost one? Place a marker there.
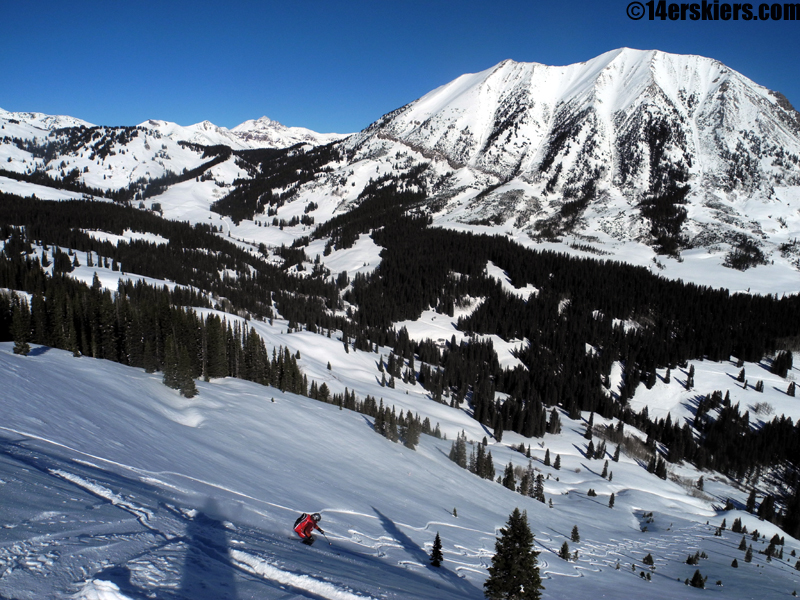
(697, 580)
(604, 474)
(514, 572)
(554, 424)
(185, 379)
(737, 522)
(21, 326)
(790, 390)
(526, 483)
(611, 500)
(615, 458)
(458, 451)
(436, 552)
(538, 488)
(412, 431)
(557, 463)
(498, 427)
(488, 467)
(324, 392)
(748, 556)
(590, 450)
(575, 536)
(750, 506)
(743, 545)
(508, 478)
(564, 551)
(782, 363)
(661, 468)
(735, 564)
(547, 457)
(766, 510)
(170, 376)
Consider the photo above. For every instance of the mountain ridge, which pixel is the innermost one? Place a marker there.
(251, 134)
(644, 156)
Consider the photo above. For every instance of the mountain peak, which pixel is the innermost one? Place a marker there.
(582, 148)
(261, 123)
(43, 121)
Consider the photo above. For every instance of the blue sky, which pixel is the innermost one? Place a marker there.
(330, 66)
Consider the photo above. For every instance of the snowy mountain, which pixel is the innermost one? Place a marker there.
(42, 121)
(676, 163)
(75, 157)
(266, 133)
(630, 152)
(260, 133)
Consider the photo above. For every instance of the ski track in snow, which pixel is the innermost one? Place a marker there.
(145, 475)
(142, 514)
(267, 570)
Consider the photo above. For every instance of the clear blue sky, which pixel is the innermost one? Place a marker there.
(330, 66)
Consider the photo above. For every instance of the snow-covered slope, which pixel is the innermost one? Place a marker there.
(113, 484)
(42, 121)
(624, 156)
(518, 119)
(266, 133)
(204, 133)
(259, 133)
(113, 158)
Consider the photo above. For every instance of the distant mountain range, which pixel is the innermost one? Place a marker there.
(253, 133)
(641, 156)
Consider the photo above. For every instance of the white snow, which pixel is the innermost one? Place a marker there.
(127, 236)
(254, 133)
(115, 487)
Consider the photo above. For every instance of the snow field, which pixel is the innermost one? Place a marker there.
(250, 465)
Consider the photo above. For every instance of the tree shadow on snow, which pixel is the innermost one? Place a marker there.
(208, 571)
(422, 557)
(38, 350)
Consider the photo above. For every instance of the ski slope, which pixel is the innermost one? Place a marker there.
(113, 487)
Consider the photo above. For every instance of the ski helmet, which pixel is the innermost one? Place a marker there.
(317, 517)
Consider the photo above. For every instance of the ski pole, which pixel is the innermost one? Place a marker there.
(326, 537)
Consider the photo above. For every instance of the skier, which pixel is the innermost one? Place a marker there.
(305, 525)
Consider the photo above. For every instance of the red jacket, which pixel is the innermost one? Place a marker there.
(306, 526)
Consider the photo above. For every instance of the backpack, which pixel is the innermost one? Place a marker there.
(300, 518)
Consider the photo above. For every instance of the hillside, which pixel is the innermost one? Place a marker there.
(114, 484)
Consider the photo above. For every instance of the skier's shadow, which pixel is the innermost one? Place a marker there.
(421, 556)
(208, 571)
